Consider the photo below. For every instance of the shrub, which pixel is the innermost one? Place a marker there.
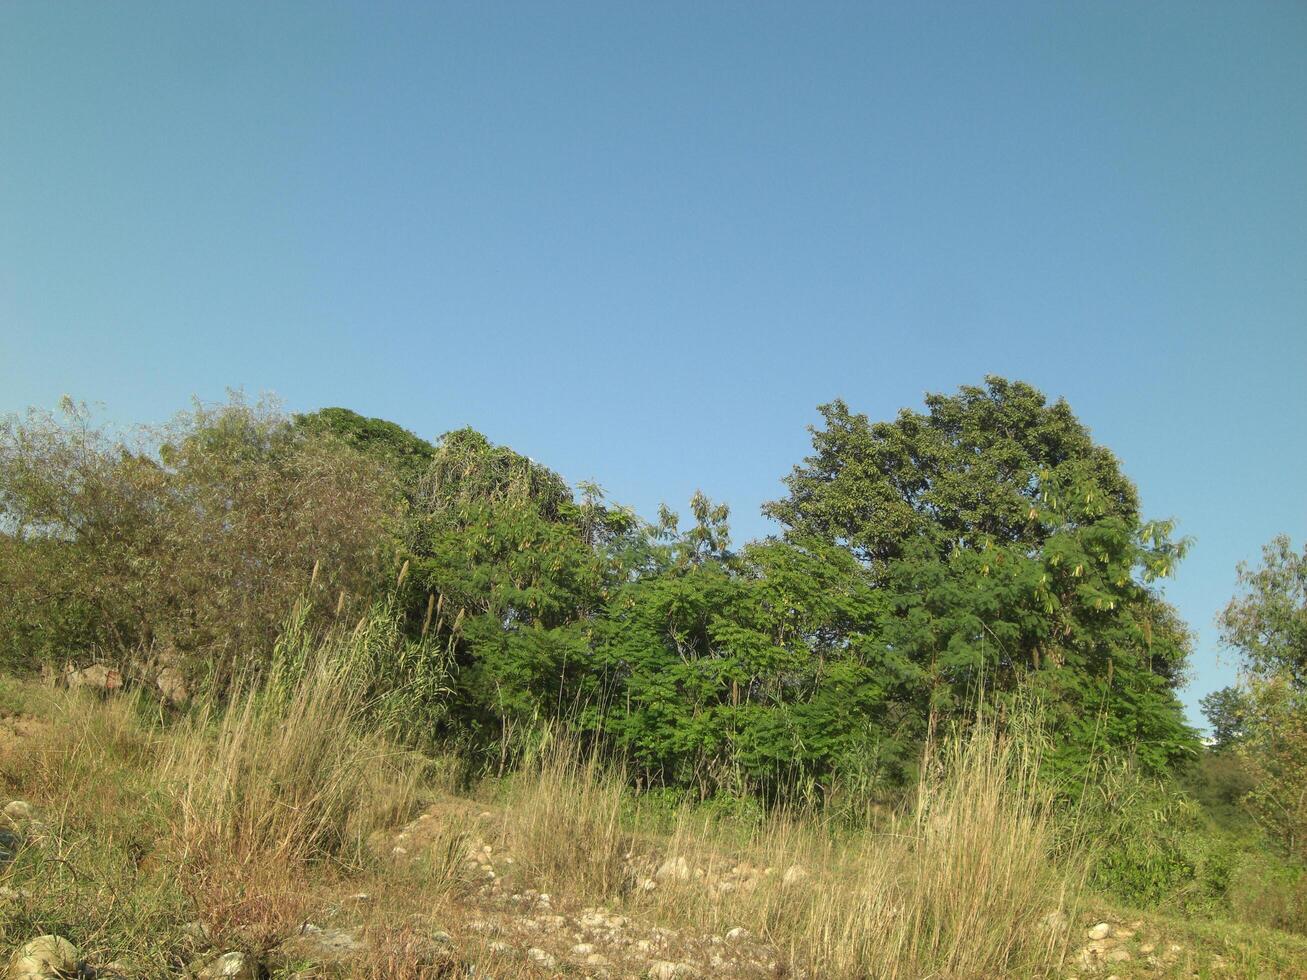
(190, 540)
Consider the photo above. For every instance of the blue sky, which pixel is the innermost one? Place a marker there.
(641, 242)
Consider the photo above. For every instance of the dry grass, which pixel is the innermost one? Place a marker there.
(564, 818)
(277, 783)
(959, 885)
(257, 815)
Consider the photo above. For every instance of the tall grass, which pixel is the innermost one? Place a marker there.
(286, 771)
(963, 883)
(564, 816)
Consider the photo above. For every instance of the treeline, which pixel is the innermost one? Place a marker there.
(983, 551)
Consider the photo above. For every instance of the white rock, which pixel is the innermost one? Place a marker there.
(537, 955)
(44, 958)
(664, 970)
(673, 868)
(18, 811)
(794, 874)
(737, 934)
(228, 965)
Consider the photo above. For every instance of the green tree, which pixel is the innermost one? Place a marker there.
(508, 569)
(1012, 551)
(406, 455)
(755, 670)
(1226, 711)
(1267, 625)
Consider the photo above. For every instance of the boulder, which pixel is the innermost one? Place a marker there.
(97, 676)
(44, 958)
(228, 966)
(171, 683)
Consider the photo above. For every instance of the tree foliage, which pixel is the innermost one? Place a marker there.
(978, 554)
(1016, 560)
(1266, 715)
(194, 539)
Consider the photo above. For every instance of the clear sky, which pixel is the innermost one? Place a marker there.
(642, 241)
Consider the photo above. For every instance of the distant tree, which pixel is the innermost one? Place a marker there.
(195, 538)
(975, 470)
(1267, 625)
(1226, 711)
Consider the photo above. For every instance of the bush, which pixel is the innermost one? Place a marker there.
(1153, 846)
(189, 541)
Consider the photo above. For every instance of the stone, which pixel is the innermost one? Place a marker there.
(44, 958)
(583, 949)
(1101, 931)
(171, 683)
(1117, 956)
(537, 955)
(18, 812)
(596, 959)
(794, 874)
(664, 970)
(738, 934)
(673, 868)
(11, 843)
(96, 676)
(228, 966)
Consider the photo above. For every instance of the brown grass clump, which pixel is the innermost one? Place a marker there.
(278, 781)
(961, 884)
(564, 817)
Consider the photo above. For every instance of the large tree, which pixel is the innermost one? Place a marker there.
(1016, 560)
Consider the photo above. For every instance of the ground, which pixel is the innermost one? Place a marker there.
(459, 889)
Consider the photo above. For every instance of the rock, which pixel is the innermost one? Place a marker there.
(537, 955)
(232, 966)
(171, 683)
(583, 949)
(794, 874)
(1116, 956)
(738, 934)
(96, 676)
(673, 868)
(442, 937)
(1055, 921)
(1101, 931)
(333, 941)
(11, 843)
(44, 958)
(596, 959)
(18, 812)
(197, 932)
(664, 970)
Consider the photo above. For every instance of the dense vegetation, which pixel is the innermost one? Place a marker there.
(983, 556)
